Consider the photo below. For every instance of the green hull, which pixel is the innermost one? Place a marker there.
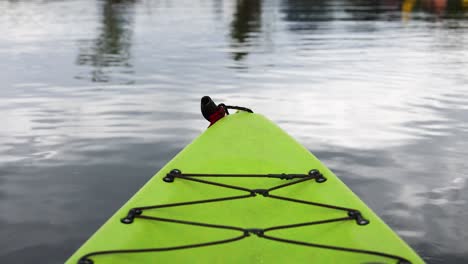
(245, 143)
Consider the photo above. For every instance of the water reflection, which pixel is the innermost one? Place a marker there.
(111, 47)
(439, 8)
(369, 10)
(306, 15)
(245, 26)
(383, 103)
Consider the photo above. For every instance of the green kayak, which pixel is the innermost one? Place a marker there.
(244, 192)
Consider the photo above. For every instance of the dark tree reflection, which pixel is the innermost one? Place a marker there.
(247, 20)
(111, 47)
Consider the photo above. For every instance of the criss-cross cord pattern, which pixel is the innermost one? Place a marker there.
(137, 212)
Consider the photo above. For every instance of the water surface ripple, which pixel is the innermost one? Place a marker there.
(98, 95)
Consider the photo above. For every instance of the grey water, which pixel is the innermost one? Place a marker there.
(96, 96)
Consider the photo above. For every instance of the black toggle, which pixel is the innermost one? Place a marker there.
(318, 176)
(256, 231)
(208, 107)
(131, 216)
(360, 220)
(263, 192)
(171, 175)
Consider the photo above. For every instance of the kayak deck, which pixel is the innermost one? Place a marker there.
(245, 217)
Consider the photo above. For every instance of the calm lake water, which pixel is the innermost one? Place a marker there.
(96, 96)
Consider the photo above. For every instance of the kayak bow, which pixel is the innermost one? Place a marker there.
(244, 192)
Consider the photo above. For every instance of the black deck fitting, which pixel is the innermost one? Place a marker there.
(85, 261)
(256, 231)
(318, 176)
(360, 220)
(263, 192)
(171, 175)
(131, 216)
(404, 262)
